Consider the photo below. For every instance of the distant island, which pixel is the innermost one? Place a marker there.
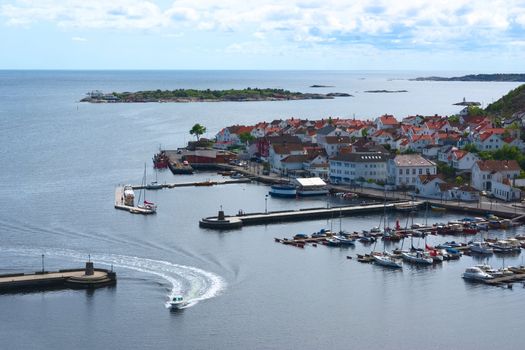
(384, 91)
(321, 86)
(192, 95)
(477, 77)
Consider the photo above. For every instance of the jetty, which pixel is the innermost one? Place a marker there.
(121, 205)
(197, 183)
(237, 221)
(86, 278)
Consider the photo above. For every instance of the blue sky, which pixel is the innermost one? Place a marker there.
(458, 35)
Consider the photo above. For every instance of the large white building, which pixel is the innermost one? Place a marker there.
(404, 169)
(352, 167)
(496, 177)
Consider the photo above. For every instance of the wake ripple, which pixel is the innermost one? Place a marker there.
(193, 283)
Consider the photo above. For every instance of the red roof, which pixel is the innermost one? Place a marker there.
(388, 120)
(498, 165)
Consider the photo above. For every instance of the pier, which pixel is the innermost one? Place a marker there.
(198, 183)
(119, 203)
(86, 278)
(231, 222)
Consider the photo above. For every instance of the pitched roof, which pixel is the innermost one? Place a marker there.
(424, 179)
(388, 120)
(498, 165)
(295, 158)
(412, 160)
(286, 148)
(326, 130)
(335, 140)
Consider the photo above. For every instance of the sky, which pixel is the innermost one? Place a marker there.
(434, 35)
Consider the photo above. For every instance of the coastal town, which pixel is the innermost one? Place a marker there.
(462, 158)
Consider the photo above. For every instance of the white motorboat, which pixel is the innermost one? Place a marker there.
(417, 257)
(476, 274)
(480, 248)
(178, 302)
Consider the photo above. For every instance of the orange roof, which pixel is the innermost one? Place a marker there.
(388, 120)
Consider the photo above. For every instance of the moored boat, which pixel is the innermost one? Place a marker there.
(283, 190)
(476, 274)
(417, 257)
(386, 260)
(480, 248)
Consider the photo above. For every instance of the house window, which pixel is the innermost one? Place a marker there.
(400, 171)
(420, 171)
(407, 172)
(413, 171)
(428, 171)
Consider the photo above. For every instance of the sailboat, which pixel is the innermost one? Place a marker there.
(154, 185)
(147, 207)
(340, 237)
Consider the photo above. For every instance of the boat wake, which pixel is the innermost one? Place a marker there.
(193, 283)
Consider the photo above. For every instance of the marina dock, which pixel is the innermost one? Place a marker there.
(86, 278)
(201, 183)
(119, 203)
(231, 222)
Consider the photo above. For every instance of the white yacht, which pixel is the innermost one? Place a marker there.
(476, 274)
(417, 257)
(386, 260)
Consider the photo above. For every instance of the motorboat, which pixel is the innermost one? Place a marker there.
(480, 248)
(178, 302)
(386, 260)
(332, 242)
(300, 236)
(476, 274)
(417, 257)
(506, 246)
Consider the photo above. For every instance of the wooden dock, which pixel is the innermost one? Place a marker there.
(216, 222)
(506, 279)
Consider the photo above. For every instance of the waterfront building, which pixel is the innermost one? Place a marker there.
(404, 169)
(352, 167)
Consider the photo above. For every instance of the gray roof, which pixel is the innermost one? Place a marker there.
(365, 157)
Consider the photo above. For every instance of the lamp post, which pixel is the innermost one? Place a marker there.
(266, 204)
(42, 263)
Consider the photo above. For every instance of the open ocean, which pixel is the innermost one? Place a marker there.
(61, 161)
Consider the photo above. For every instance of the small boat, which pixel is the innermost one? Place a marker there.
(476, 274)
(406, 207)
(418, 257)
(321, 233)
(480, 248)
(283, 190)
(236, 176)
(436, 208)
(178, 302)
(154, 185)
(204, 183)
(344, 241)
(300, 236)
(386, 260)
(506, 246)
(332, 242)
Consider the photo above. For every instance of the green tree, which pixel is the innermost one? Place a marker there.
(197, 130)
(364, 132)
(471, 148)
(459, 180)
(246, 137)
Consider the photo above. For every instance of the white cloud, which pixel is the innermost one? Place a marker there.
(444, 22)
(78, 38)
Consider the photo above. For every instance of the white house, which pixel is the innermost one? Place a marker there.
(427, 186)
(462, 160)
(351, 167)
(333, 144)
(487, 173)
(386, 122)
(278, 152)
(405, 168)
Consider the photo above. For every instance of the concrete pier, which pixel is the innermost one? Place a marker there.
(87, 278)
(231, 222)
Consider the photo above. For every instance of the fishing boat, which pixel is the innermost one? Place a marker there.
(476, 274)
(283, 190)
(160, 160)
(178, 302)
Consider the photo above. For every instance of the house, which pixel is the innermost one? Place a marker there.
(351, 167)
(427, 186)
(464, 193)
(329, 130)
(386, 122)
(495, 176)
(462, 160)
(332, 144)
(292, 163)
(419, 142)
(488, 141)
(404, 169)
(280, 151)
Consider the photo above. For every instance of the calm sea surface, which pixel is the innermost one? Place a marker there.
(61, 160)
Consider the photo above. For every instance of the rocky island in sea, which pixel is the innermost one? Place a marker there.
(192, 95)
(385, 91)
(511, 77)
